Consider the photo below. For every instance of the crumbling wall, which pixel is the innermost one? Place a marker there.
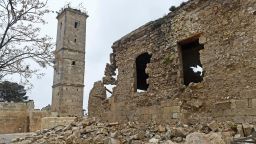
(226, 29)
(97, 97)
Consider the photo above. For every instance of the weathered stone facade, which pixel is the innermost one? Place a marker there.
(68, 84)
(20, 117)
(51, 122)
(224, 31)
(14, 117)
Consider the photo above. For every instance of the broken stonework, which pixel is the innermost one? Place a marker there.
(197, 62)
(87, 131)
(109, 80)
(110, 69)
(96, 98)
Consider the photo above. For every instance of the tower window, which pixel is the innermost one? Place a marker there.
(191, 64)
(141, 64)
(76, 24)
(73, 63)
(75, 40)
(60, 29)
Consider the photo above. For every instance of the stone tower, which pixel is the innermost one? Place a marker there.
(68, 82)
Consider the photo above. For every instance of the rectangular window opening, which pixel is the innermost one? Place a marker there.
(76, 24)
(141, 75)
(60, 29)
(73, 63)
(192, 68)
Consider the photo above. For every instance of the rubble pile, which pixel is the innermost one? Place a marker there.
(90, 131)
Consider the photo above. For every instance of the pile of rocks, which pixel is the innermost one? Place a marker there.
(87, 131)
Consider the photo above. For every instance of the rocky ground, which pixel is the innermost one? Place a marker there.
(91, 131)
(7, 138)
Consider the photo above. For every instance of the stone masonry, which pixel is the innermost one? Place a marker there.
(155, 80)
(21, 117)
(68, 83)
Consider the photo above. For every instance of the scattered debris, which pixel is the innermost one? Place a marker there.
(91, 130)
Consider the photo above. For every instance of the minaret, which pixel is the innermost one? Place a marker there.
(69, 67)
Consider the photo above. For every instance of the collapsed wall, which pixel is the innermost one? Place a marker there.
(195, 64)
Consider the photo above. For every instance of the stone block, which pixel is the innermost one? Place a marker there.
(241, 103)
(248, 129)
(167, 110)
(248, 93)
(50, 122)
(175, 115)
(239, 119)
(147, 117)
(244, 112)
(153, 110)
(213, 126)
(249, 103)
(253, 103)
(167, 116)
(175, 109)
(223, 105)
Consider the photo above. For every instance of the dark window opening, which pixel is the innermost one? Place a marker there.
(141, 64)
(73, 63)
(28, 126)
(192, 66)
(76, 24)
(60, 29)
(75, 40)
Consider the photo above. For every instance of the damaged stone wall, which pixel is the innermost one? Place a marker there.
(226, 29)
(14, 117)
(96, 100)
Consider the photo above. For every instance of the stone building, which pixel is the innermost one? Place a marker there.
(68, 83)
(197, 63)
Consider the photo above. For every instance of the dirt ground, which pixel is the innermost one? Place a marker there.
(7, 138)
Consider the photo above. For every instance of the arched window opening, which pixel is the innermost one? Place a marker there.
(141, 65)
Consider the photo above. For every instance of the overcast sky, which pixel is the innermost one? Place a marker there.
(108, 21)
